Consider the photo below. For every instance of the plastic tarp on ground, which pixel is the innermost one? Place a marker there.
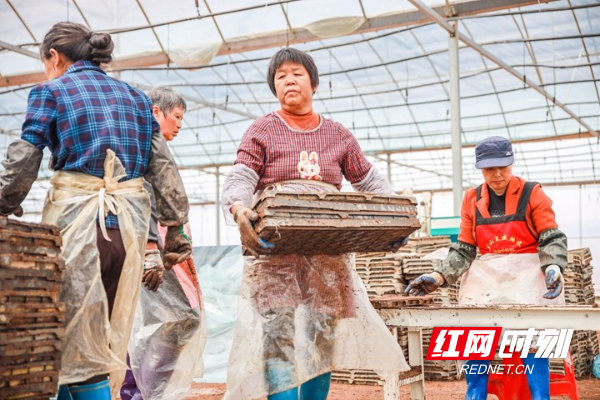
(220, 270)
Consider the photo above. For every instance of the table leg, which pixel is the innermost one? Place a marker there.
(415, 359)
(391, 387)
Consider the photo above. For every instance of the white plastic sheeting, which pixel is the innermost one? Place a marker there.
(333, 27)
(220, 274)
(195, 56)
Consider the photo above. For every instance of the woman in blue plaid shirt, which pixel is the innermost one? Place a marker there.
(104, 141)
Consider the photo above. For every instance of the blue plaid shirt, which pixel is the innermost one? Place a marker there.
(85, 112)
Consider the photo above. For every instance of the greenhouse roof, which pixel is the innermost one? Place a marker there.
(528, 71)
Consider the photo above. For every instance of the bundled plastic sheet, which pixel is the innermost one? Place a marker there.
(302, 316)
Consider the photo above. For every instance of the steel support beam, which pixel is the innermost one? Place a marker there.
(389, 168)
(203, 102)
(568, 136)
(301, 35)
(19, 50)
(505, 316)
(218, 207)
(457, 180)
(389, 161)
(129, 62)
(546, 184)
(433, 15)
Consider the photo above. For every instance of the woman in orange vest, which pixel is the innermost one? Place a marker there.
(523, 253)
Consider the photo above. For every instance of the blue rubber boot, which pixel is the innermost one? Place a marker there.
(93, 391)
(281, 375)
(538, 376)
(291, 394)
(317, 388)
(476, 382)
(63, 393)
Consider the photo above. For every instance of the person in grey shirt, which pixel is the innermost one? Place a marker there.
(169, 330)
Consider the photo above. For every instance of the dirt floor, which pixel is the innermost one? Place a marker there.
(588, 389)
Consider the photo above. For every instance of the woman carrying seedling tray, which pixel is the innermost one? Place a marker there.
(300, 316)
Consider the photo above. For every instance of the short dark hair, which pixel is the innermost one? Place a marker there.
(166, 99)
(293, 56)
(77, 42)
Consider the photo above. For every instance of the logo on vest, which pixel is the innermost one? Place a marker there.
(503, 244)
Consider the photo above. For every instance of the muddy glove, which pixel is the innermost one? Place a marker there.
(17, 212)
(245, 217)
(153, 270)
(21, 168)
(178, 246)
(554, 282)
(394, 247)
(425, 284)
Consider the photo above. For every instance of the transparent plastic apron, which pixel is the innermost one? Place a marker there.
(302, 316)
(169, 334)
(93, 345)
(509, 270)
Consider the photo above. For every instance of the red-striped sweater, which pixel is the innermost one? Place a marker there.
(272, 149)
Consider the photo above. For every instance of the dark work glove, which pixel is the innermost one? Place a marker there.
(244, 217)
(17, 212)
(425, 284)
(178, 246)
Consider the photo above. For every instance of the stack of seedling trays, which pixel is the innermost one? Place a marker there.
(31, 314)
(333, 223)
(580, 261)
(425, 245)
(368, 377)
(437, 370)
(360, 376)
(398, 270)
(579, 290)
(389, 273)
(413, 268)
(357, 377)
(381, 273)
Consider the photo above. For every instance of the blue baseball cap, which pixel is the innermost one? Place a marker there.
(494, 151)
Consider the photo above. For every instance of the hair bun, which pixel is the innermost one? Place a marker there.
(102, 47)
(100, 40)
(78, 42)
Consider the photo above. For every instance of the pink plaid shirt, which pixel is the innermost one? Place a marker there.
(272, 149)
